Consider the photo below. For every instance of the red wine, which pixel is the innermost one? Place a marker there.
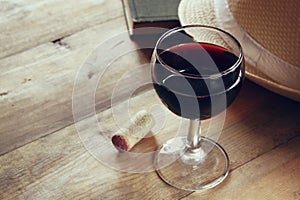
(187, 79)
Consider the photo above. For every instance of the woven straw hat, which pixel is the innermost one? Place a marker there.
(269, 32)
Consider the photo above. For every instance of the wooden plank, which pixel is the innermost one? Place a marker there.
(52, 111)
(47, 21)
(37, 87)
(59, 167)
(29, 112)
(274, 175)
(261, 135)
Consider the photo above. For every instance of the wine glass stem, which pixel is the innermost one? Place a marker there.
(194, 134)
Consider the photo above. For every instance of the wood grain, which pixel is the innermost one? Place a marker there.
(50, 67)
(44, 154)
(29, 111)
(47, 21)
(60, 158)
(261, 180)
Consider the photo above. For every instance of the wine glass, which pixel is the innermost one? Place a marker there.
(197, 72)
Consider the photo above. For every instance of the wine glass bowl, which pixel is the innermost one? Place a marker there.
(197, 72)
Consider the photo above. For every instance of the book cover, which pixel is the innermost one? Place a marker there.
(150, 13)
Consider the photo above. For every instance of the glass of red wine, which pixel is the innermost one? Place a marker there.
(197, 72)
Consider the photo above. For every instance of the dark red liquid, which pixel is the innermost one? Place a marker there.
(196, 96)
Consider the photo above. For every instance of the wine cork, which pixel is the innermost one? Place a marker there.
(138, 127)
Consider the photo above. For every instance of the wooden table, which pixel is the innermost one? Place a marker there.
(43, 45)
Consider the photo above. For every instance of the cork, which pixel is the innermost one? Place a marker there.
(138, 127)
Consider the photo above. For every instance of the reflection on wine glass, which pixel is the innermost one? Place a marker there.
(197, 71)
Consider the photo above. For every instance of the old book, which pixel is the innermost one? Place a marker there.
(150, 13)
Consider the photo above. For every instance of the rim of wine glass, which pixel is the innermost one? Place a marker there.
(216, 75)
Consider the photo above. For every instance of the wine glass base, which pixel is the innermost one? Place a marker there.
(192, 169)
